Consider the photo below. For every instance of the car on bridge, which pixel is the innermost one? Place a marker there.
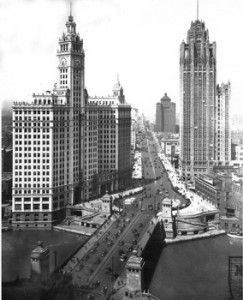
(123, 257)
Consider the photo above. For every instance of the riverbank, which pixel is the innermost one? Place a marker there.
(76, 229)
(205, 235)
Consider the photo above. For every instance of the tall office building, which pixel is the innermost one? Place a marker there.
(168, 114)
(110, 135)
(48, 142)
(158, 117)
(197, 99)
(165, 115)
(222, 123)
(134, 120)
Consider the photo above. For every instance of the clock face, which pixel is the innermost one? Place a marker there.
(63, 62)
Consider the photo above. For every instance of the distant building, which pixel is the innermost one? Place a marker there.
(6, 187)
(134, 121)
(237, 136)
(239, 152)
(233, 151)
(165, 115)
(223, 133)
(158, 118)
(7, 158)
(237, 162)
(170, 145)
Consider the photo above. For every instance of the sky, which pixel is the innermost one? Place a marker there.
(138, 40)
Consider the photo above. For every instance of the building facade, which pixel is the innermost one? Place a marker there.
(165, 115)
(220, 188)
(158, 117)
(239, 152)
(108, 164)
(134, 122)
(48, 142)
(216, 188)
(222, 125)
(170, 146)
(197, 99)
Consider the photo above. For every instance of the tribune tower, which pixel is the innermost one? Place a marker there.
(197, 100)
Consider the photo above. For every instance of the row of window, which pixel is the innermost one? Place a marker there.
(21, 124)
(18, 199)
(29, 167)
(31, 179)
(63, 82)
(34, 173)
(35, 207)
(30, 139)
(32, 148)
(32, 118)
(32, 112)
(21, 130)
(29, 192)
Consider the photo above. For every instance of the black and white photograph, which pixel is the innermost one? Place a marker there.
(121, 149)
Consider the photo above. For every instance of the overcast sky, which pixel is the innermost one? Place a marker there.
(138, 39)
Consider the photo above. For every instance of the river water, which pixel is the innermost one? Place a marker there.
(195, 270)
(17, 247)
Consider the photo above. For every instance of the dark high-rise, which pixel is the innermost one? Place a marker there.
(165, 115)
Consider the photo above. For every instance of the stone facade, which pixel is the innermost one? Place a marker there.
(197, 99)
(48, 142)
(107, 143)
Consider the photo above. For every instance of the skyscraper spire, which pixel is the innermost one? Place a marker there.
(197, 9)
(70, 8)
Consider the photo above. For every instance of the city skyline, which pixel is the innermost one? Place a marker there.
(128, 48)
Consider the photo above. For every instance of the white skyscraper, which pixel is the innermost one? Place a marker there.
(48, 142)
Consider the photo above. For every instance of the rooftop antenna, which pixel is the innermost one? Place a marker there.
(117, 77)
(70, 8)
(197, 9)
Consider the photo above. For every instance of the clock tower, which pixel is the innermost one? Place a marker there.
(71, 64)
(71, 79)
